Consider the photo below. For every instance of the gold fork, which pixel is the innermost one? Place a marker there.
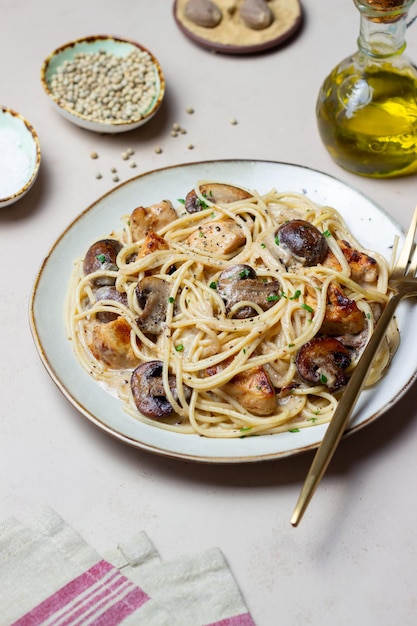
(403, 283)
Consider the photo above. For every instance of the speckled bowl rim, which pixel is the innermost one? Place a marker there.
(134, 122)
(7, 200)
(223, 48)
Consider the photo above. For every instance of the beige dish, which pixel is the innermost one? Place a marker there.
(232, 36)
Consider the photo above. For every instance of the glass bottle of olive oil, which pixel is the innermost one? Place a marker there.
(367, 106)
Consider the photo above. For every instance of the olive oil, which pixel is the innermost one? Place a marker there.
(367, 107)
(368, 122)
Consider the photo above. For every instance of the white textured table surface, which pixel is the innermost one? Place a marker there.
(353, 558)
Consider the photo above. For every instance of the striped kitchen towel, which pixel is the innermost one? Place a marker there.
(50, 576)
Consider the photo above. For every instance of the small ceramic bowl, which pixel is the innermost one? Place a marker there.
(20, 156)
(103, 103)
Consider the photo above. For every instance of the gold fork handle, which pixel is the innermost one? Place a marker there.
(344, 410)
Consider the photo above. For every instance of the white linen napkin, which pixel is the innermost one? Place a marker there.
(50, 576)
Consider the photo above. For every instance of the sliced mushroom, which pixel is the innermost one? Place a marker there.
(109, 292)
(302, 241)
(153, 217)
(102, 255)
(152, 294)
(218, 193)
(203, 13)
(323, 361)
(239, 283)
(148, 390)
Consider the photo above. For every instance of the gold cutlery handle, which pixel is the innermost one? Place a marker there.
(344, 410)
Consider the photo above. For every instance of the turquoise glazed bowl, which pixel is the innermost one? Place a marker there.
(20, 156)
(102, 63)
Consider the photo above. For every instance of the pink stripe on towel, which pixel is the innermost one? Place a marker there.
(238, 620)
(115, 614)
(81, 592)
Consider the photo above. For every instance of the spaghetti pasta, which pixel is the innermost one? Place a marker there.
(206, 319)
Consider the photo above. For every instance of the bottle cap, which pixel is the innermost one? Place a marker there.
(383, 10)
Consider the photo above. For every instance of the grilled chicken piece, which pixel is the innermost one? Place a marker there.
(342, 317)
(153, 242)
(364, 268)
(111, 344)
(251, 388)
(221, 237)
(153, 217)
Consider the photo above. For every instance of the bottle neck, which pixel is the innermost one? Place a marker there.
(382, 39)
(383, 26)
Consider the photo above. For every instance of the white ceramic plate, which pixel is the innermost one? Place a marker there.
(371, 225)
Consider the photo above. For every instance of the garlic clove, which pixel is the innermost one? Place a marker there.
(203, 13)
(256, 14)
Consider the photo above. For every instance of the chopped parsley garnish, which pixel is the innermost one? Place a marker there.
(327, 233)
(272, 298)
(294, 430)
(101, 258)
(307, 308)
(179, 347)
(181, 200)
(171, 299)
(213, 285)
(245, 273)
(323, 379)
(296, 295)
(201, 203)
